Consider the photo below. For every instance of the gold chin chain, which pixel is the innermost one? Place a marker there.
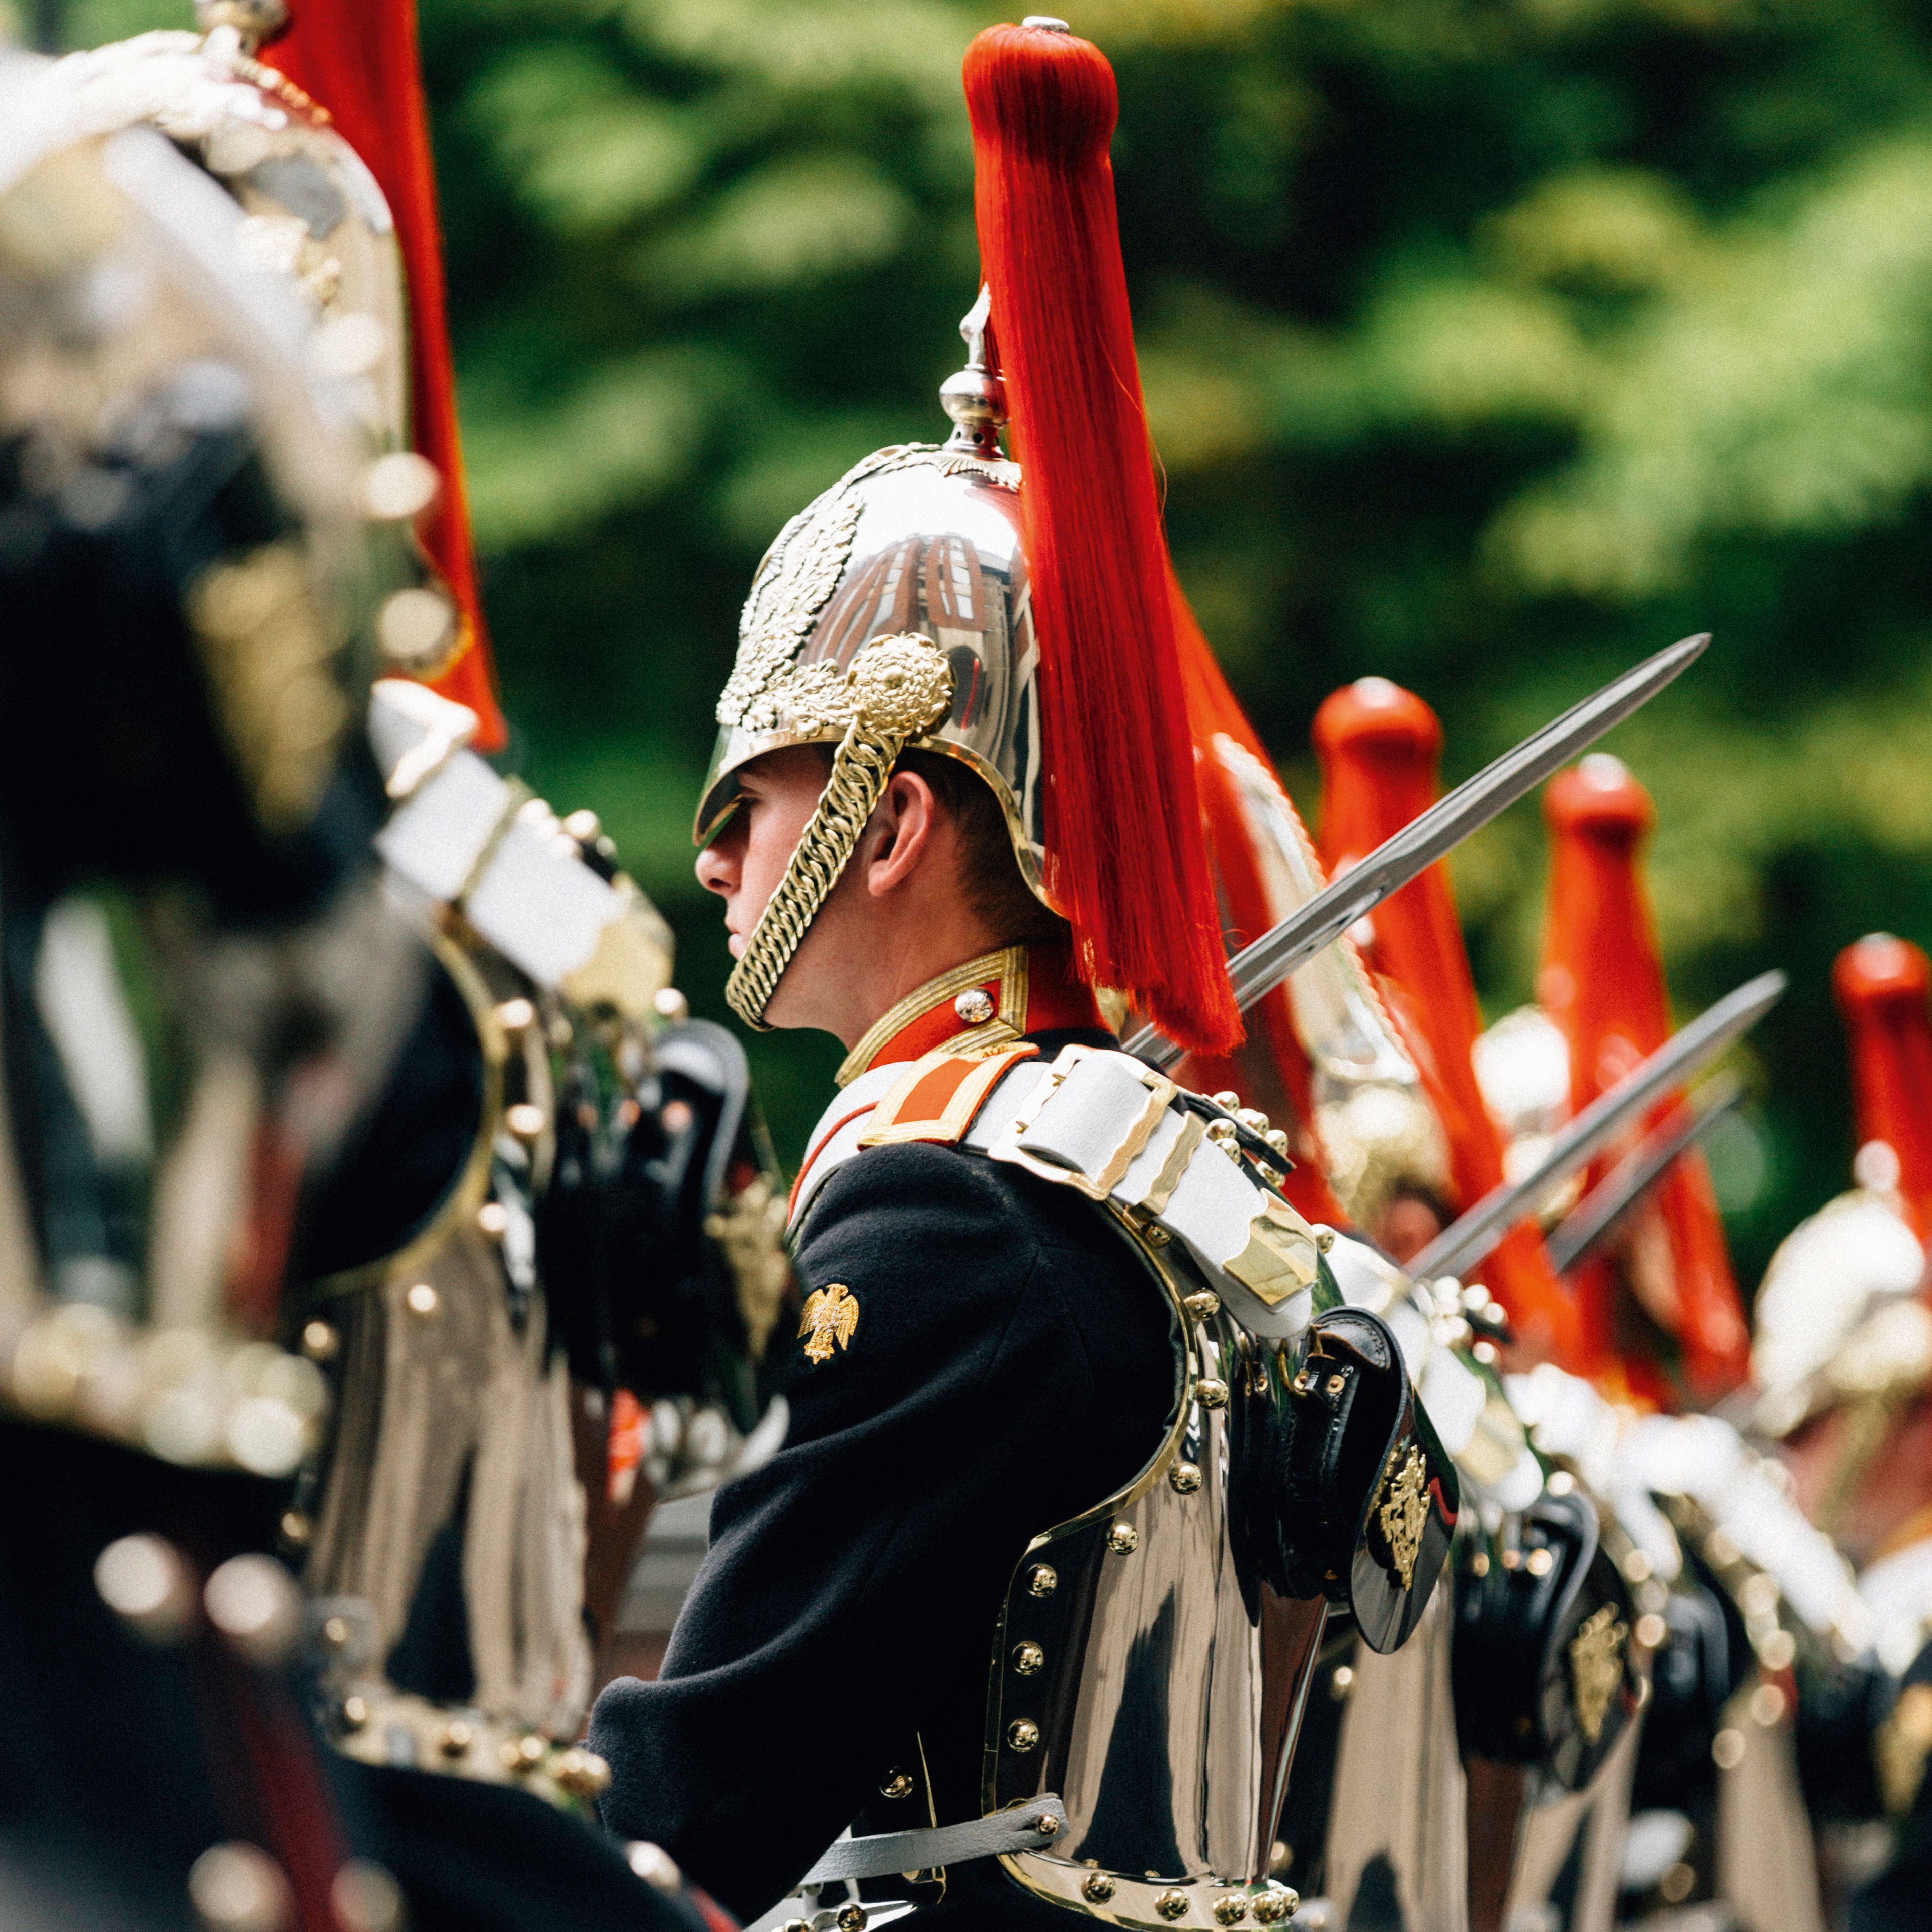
(897, 688)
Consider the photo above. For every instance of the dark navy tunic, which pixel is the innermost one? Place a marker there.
(1012, 1365)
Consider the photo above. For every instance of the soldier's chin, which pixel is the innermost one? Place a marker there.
(735, 945)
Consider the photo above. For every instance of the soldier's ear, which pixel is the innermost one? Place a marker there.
(903, 824)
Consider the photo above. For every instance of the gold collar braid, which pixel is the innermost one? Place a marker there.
(898, 688)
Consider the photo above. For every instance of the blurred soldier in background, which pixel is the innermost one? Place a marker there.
(1842, 1359)
(1378, 748)
(247, 1100)
(1660, 1311)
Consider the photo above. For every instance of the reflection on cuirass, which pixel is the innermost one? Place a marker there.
(1374, 1827)
(1147, 1670)
(1387, 1825)
(450, 1539)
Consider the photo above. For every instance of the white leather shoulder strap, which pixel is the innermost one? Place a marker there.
(1109, 1126)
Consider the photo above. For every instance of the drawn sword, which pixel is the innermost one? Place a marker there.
(1259, 968)
(1472, 1234)
(1595, 1219)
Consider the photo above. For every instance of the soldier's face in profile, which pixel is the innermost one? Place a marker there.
(777, 795)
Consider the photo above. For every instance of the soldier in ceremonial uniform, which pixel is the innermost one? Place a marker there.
(1660, 1310)
(1029, 1596)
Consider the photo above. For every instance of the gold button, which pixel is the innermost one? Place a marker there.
(423, 1299)
(1230, 1909)
(1652, 1630)
(1227, 1099)
(1172, 1904)
(851, 1918)
(1540, 1563)
(1203, 1306)
(1043, 1582)
(319, 1342)
(1727, 1749)
(1028, 1658)
(236, 1887)
(1324, 1235)
(974, 1006)
(654, 1865)
(526, 1121)
(514, 1015)
(355, 1713)
(1210, 1393)
(898, 1784)
(456, 1739)
(1023, 1734)
(1123, 1539)
(582, 1773)
(1097, 1887)
(1185, 1478)
(1277, 1903)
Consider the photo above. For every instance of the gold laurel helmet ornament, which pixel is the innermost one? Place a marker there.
(897, 689)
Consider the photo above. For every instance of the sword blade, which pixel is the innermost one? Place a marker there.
(1472, 1236)
(1600, 1212)
(1258, 969)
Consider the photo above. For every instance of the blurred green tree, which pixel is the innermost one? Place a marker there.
(1489, 344)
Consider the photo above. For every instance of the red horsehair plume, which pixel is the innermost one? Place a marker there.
(1126, 860)
(358, 60)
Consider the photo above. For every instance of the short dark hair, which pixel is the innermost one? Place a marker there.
(989, 874)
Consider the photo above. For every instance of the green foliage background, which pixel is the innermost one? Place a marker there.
(1490, 344)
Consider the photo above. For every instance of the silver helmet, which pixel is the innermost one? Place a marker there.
(891, 613)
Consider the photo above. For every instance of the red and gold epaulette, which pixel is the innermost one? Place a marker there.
(937, 1097)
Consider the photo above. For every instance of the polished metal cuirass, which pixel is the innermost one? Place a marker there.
(1145, 1668)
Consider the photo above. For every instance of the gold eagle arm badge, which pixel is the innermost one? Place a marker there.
(831, 1314)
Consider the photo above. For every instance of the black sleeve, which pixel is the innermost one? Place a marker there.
(1011, 1365)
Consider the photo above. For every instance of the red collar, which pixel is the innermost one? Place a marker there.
(987, 1002)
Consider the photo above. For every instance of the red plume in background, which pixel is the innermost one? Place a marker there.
(1379, 746)
(1883, 984)
(359, 59)
(1126, 860)
(1602, 981)
(1271, 1068)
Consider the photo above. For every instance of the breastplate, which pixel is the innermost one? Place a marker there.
(1153, 1655)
